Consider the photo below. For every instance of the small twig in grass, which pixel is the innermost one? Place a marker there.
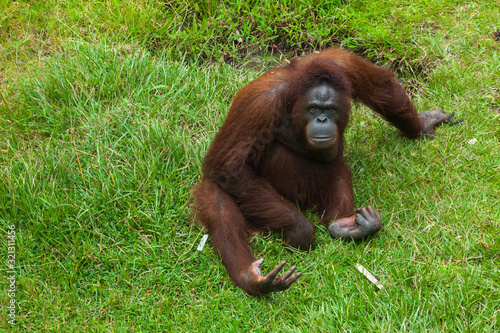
(202, 242)
(369, 276)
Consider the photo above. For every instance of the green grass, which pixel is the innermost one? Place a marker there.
(106, 111)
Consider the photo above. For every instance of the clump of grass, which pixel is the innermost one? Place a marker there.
(93, 168)
(231, 31)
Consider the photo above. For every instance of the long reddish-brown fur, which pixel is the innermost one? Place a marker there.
(252, 183)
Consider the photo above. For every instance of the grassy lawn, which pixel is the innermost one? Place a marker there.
(106, 111)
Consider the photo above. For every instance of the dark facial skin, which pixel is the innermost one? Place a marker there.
(321, 108)
(322, 120)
